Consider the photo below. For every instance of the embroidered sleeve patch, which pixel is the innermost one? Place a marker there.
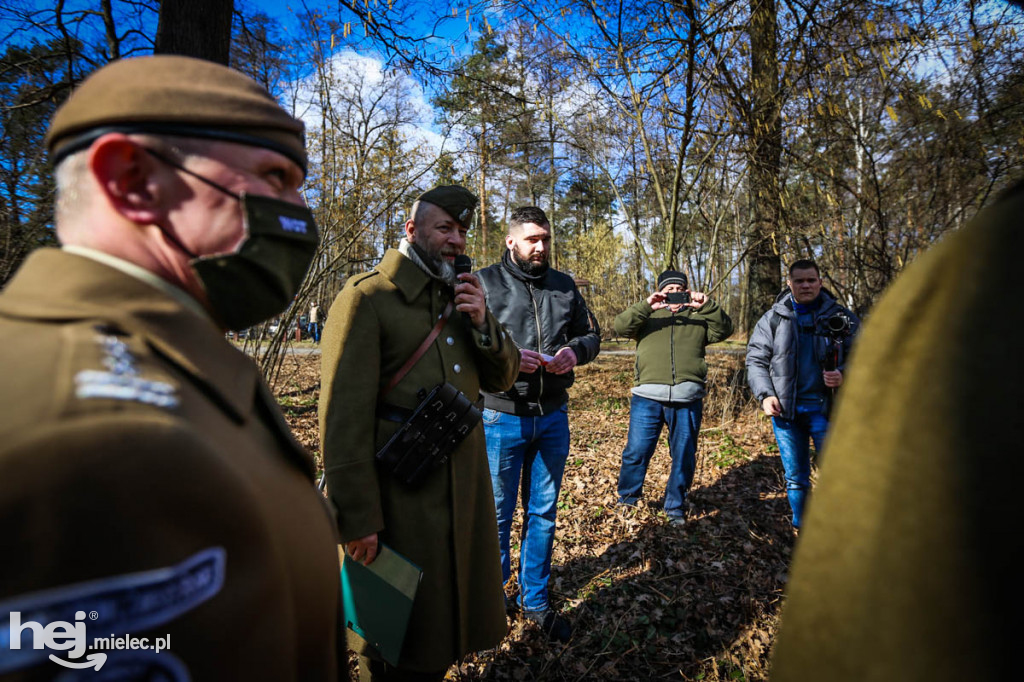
(32, 626)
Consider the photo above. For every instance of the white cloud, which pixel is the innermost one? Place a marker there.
(363, 91)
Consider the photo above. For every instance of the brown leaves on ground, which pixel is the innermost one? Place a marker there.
(646, 600)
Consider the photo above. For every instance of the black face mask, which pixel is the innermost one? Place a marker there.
(260, 278)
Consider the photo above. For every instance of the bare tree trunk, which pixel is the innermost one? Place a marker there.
(765, 161)
(552, 214)
(196, 28)
(508, 199)
(113, 44)
(482, 208)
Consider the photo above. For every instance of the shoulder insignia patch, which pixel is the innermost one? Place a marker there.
(121, 380)
(118, 605)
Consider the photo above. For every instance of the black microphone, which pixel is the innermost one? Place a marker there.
(463, 264)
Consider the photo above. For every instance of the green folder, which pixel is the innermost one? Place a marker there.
(378, 599)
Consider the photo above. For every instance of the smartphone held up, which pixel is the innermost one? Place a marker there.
(677, 297)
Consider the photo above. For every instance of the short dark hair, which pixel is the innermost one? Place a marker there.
(527, 214)
(804, 264)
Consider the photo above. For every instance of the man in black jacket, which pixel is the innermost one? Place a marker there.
(527, 427)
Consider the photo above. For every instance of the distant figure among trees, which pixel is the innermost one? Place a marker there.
(313, 324)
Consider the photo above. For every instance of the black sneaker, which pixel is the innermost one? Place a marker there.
(556, 628)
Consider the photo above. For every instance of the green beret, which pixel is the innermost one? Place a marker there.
(458, 202)
(173, 95)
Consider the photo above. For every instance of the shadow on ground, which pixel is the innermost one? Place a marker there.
(648, 600)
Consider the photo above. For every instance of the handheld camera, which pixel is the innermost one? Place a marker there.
(836, 327)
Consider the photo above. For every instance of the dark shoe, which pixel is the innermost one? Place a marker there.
(556, 628)
(626, 509)
(677, 521)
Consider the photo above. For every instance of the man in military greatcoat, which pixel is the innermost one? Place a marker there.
(445, 524)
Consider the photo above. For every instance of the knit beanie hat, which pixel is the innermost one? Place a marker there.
(671, 277)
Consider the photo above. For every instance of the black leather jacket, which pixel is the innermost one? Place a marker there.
(544, 313)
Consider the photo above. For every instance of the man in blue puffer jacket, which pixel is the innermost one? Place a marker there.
(794, 366)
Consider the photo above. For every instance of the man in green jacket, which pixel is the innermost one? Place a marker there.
(446, 525)
(672, 328)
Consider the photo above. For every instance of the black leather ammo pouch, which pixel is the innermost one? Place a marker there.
(427, 438)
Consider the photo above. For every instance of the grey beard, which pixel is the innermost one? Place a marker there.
(445, 271)
(433, 264)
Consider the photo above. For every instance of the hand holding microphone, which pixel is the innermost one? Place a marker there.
(469, 295)
(463, 264)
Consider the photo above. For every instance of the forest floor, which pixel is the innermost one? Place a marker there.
(646, 600)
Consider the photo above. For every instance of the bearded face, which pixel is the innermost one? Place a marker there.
(530, 245)
(439, 237)
(530, 263)
(442, 259)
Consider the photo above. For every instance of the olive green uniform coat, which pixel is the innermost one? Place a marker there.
(132, 437)
(908, 567)
(447, 525)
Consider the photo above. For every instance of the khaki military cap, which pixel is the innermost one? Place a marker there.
(174, 95)
(458, 202)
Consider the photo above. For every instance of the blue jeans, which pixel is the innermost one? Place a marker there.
(645, 419)
(794, 436)
(537, 447)
(314, 331)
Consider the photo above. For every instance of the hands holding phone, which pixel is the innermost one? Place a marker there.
(677, 300)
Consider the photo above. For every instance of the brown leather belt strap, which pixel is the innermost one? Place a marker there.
(415, 357)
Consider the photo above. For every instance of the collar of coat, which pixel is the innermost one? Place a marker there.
(406, 275)
(55, 285)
